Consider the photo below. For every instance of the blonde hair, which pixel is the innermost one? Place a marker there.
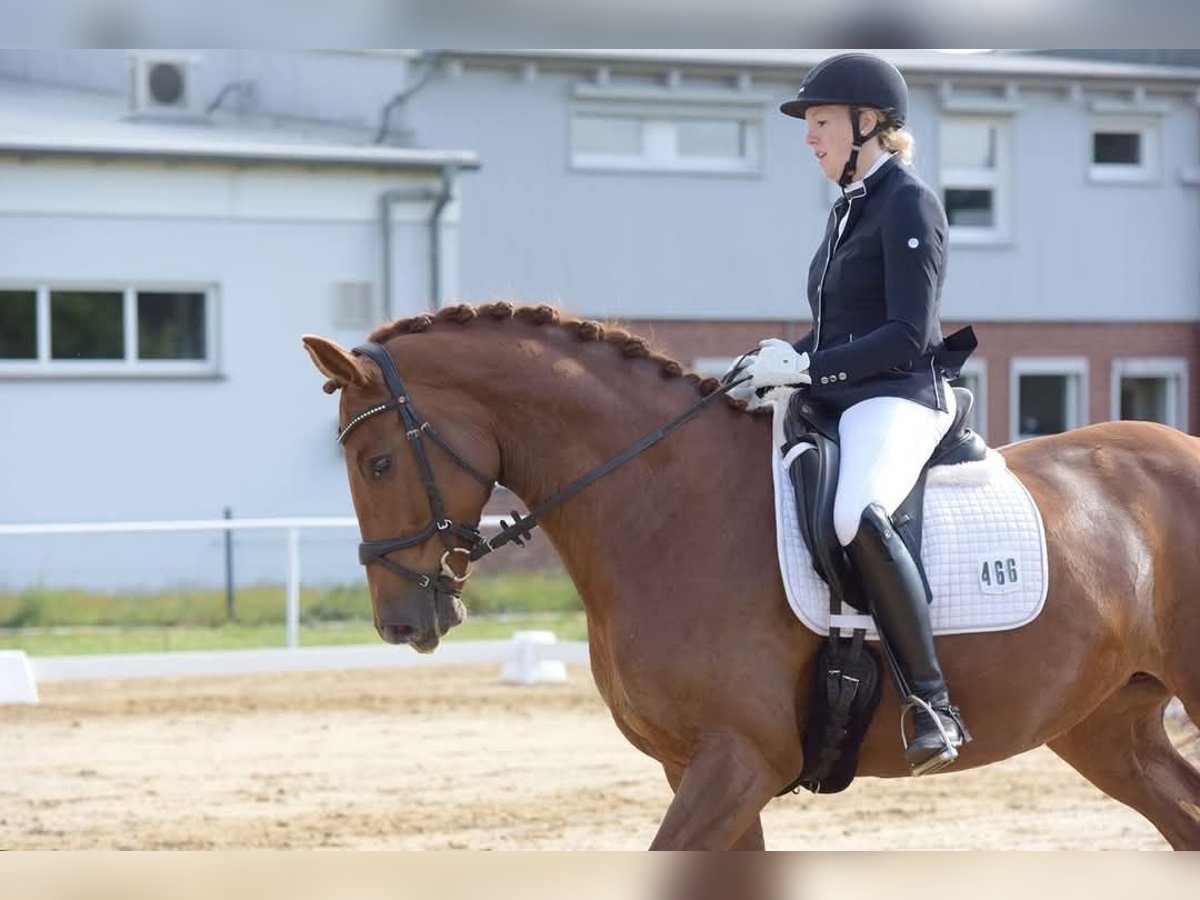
(898, 139)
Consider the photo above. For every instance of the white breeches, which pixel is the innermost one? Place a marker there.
(885, 442)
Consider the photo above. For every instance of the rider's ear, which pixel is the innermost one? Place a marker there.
(335, 362)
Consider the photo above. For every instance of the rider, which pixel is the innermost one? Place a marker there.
(875, 355)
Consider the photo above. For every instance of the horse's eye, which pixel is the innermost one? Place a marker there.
(380, 466)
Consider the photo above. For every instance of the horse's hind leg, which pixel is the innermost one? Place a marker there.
(1124, 750)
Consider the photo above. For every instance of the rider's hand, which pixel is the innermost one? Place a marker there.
(777, 363)
(736, 372)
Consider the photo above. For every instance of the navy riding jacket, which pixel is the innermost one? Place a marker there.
(875, 292)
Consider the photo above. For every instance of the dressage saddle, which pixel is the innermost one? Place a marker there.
(845, 686)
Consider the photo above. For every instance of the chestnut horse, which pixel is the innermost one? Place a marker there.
(693, 646)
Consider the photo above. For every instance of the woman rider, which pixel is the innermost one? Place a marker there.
(875, 355)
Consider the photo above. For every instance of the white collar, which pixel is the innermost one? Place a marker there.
(860, 185)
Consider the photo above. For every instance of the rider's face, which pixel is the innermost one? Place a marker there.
(829, 137)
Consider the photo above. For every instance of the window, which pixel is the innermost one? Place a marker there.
(1150, 389)
(685, 145)
(606, 136)
(666, 130)
(974, 378)
(18, 325)
(1047, 396)
(59, 330)
(1124, 149)
(974, 170)
(712, 366)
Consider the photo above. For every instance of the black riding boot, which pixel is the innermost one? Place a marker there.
(898, 599)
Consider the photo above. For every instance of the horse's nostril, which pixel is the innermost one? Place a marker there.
(397, 634)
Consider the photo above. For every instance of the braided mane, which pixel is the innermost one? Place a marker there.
(629, 345)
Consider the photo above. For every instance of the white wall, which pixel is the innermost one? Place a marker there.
(259, 436)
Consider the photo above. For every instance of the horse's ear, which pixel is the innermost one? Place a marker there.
(335, 362)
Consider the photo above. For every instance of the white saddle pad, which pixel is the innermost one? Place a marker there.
(983, 548)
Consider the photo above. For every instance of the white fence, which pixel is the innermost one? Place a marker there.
(292, 527)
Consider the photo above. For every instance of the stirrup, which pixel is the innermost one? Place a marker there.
(949, 752)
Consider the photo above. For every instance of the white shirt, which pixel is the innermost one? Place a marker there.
(859, 188)
(874, 168)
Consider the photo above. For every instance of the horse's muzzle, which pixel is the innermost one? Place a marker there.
(423, 631)
(421, 640)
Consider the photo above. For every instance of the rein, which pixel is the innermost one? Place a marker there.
(477, 546)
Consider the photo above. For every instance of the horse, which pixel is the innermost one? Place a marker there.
(692, 645)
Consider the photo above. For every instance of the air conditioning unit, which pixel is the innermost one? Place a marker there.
(165, 85)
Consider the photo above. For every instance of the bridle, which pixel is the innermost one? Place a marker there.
(477, 546)
(415, 428)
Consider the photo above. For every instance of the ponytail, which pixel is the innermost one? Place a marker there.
(897, 139)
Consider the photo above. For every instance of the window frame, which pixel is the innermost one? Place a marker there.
(1172, 368)
(660, 112)
(1149, 128)
(129, 366)
(1019, 366)
(999, 180)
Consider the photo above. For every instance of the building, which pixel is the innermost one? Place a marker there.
(183, 229)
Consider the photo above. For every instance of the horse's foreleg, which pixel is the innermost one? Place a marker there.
(718, 797)
(1124, 750)
(752, 837)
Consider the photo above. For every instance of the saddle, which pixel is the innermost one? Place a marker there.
(845, 687)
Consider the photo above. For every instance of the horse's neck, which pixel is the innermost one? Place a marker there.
(560, 420)
(561, 424)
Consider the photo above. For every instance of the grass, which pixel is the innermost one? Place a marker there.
(68, 621)
(77, 641)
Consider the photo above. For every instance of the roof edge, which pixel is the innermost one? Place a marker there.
(232, 153)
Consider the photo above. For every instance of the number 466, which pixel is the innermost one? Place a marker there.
(999, 572)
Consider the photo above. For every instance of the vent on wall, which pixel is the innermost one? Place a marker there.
(165, 85)
(354, 305)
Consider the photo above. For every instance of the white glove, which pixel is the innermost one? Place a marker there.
(737, 371)
(778, 364)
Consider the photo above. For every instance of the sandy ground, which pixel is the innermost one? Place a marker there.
(448, 758)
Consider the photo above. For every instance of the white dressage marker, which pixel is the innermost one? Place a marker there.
(16, 678)
(526, 665)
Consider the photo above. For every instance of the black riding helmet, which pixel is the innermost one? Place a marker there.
(855, 80)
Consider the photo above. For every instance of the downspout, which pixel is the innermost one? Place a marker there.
(386, 199)
(449, 172)
(425, 70)
(440, 198)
